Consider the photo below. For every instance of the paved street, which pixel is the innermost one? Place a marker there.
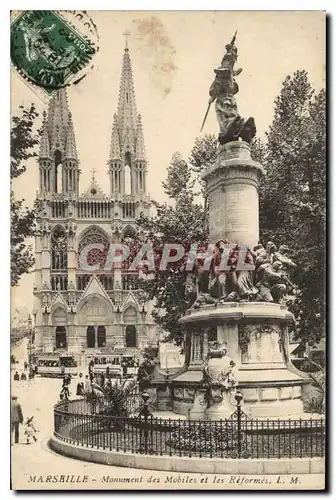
(33, 463)
(37, 398)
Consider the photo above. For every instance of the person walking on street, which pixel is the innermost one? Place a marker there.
(30, 430)
(80, 386)
(16, 418)
(87, 385)
(16, 376)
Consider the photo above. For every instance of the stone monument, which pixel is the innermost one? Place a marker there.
(243, 306)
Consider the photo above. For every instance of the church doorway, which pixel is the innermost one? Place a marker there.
(130, 336)
(101, 336)
(96, 336)
(61, 342)
(90, 336)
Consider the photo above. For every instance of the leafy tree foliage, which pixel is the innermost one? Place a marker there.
(182, 222)
(293, 195)
(23, 141)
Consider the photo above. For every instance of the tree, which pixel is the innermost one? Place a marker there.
(182, 222)
(23, 141)
(293, 195)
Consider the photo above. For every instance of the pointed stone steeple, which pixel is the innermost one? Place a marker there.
(58, 120)
(140, 152)
(115, 147)
(44, 143)
(127, 139)
(70, 149)
(59, 144)
(126, 105)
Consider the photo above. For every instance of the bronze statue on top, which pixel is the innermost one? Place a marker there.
(223, 90)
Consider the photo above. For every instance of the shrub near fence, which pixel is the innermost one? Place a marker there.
(236, 437)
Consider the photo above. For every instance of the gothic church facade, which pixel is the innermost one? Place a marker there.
(78, 311)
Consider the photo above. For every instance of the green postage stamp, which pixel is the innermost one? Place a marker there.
(48, 50)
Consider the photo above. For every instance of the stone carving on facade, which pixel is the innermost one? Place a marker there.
(222, 92)
(219, 379)
(243, 338)
(246, 332)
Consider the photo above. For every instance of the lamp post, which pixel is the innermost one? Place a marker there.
(30, 341)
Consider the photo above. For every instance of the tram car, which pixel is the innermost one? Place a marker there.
(114, 365)
(56, 365)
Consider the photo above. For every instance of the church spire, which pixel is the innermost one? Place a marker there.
(127, 162)
(58, 145)
(140, 152)
(126, 104)
(44, 143)
(58, 120)
(115, 147)
(70, 150)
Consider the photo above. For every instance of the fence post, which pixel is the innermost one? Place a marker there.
(144, 412)
(145, 397)
(239, 398)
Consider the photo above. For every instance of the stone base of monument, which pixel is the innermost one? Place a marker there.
(221, 409)
(256, 338)
(198, 410)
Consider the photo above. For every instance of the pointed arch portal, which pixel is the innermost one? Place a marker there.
(61, 341)
(130, 336)
(96, 336)
(90, 336)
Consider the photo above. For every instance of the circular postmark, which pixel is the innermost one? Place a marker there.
(53, 49)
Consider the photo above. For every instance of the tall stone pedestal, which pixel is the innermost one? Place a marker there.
(255, 333)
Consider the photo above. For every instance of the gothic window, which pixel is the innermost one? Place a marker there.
(58, 171)
(130, 316)
(59, 257)
(127, 179)
(95, 256)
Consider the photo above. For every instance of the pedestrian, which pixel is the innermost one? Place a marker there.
(16, 376)
(65, 393)
(30, 430)
(102, 380)
(25, 365)
(87, 385)
(23, 376)
(16, 418)
(80, 386)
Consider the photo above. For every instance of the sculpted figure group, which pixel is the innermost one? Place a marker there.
(267, 281)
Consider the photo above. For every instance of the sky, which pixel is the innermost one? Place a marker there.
(173, 56)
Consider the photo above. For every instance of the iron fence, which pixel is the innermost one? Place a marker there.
(77, 422)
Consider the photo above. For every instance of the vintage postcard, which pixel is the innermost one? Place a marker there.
(168, 226)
